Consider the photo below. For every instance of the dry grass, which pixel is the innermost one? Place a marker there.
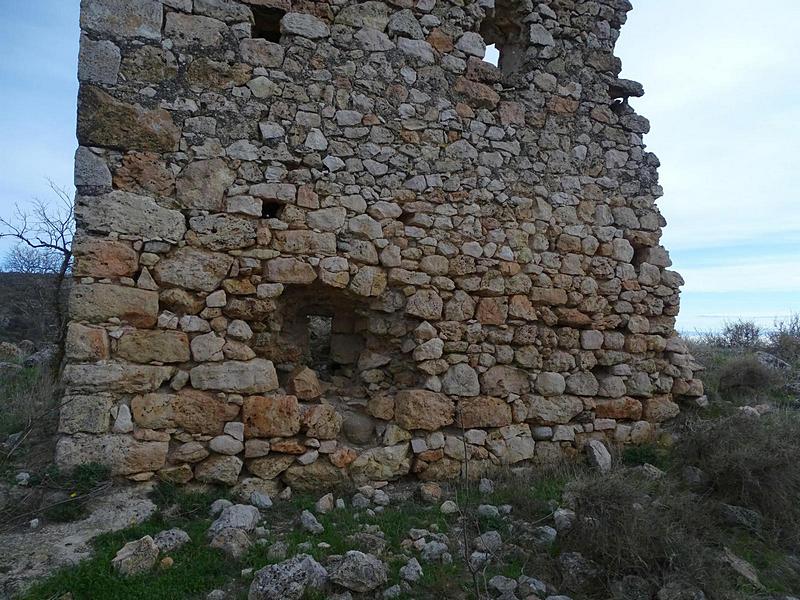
(650, 530)
(751, 462)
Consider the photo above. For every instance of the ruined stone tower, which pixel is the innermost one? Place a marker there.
(321, 240)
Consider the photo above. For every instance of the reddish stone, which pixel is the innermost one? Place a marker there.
(440, 41)
(342, 456)
(492, 311)
(483, 411)
(479, 95)
(270, 416)
(625, 408)
(104, 258)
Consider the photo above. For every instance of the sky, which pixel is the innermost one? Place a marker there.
(723, 96)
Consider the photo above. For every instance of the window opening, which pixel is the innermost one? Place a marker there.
(506, 43)
(492, 55)
(267, 23)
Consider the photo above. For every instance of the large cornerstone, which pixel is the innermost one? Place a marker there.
(328, 241)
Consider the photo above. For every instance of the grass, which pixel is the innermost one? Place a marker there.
(646, 454)
(23, 399)
(197, 569)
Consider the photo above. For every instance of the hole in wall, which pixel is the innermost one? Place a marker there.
(492, 55)
(267, 23)
(271, 209)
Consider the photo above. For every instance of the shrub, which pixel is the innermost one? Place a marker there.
(752, 462)
(631, 526)
(784, 340)
(742, 335)
(747, 374)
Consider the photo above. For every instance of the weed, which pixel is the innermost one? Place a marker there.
(24, 398)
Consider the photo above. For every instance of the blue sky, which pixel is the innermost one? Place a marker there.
(723, 96)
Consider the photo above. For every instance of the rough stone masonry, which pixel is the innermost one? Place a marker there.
(321, 241)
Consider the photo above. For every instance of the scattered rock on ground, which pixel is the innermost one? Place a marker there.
(288, 580)
(136, 557)
(358, 572)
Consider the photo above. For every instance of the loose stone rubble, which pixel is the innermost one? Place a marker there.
(355, 250)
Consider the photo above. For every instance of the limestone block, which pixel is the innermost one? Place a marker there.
(420, 409)
(222, 232)
(85, 413)
(129, 214)
(321, 421)
(251, 377)
(193, 269)
(142, 346)
(483, 411)
(289, 270)
(304, 384)
(104, 258)
(122, 454)
(186, 31)
(219, 469)
(659, 409)
(502, 380)
(123, 18)
(91, 169)
(86, 344)
(548, 410)
(304, 25)
(261, 53)
(271, 466)
(381, 464)
(461, 380)
(619, 408)
(98, 62)
(202, 184)
(425, 304)
(118, 377)
(319, 475)
(110, 123)
(369, 281)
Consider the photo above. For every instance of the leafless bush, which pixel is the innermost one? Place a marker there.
(752, 462)
(784, 339)
(44, 235)
(633, 527)
(737, 335)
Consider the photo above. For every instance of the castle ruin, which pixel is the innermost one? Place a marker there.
(322, 241)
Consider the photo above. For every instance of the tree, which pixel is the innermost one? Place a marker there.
(43, 252)
(44, 236)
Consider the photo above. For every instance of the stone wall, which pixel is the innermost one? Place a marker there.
(458, 250)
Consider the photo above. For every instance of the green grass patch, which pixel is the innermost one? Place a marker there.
(197, 570)
(646, 454)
